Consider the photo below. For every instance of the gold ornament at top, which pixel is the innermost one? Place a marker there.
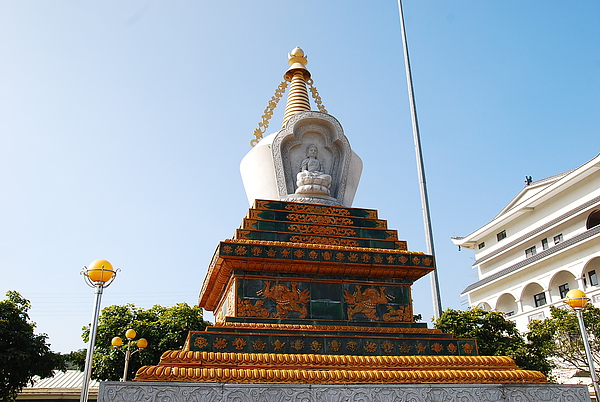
(298, 100)
(297, 61)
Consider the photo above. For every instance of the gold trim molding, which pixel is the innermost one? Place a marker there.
(253, 326)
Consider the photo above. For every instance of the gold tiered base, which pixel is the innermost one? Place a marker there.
(190, 366)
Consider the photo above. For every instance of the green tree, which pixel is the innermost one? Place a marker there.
(23, 353)
(496, 336)
(75, 360)
(561, 337)
(165, 328)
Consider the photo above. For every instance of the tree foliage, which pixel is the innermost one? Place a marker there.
(561, 337)
(165, 328)
(23, 353)
(496, 336)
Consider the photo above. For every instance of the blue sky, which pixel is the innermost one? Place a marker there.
(122, 125)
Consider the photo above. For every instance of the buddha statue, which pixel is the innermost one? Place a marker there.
(312, 179)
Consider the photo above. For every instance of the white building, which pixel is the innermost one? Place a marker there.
(543, 243)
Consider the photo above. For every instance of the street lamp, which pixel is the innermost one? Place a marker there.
(99, 275)
(577, 300)
(118, 342)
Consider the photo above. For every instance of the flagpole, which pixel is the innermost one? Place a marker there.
(435, 287)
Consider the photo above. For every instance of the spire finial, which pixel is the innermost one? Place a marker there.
(298, 76)
(297, 56)
(297, 61)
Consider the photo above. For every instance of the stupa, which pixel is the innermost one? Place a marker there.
(312, 297)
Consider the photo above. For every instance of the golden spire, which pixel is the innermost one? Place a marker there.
(298, 76)
(297, 100)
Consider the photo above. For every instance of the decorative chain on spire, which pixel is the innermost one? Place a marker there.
(316, 97)
(268, 113)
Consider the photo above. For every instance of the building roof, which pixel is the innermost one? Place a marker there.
(66, 379)
(61, 385)
(528, 198)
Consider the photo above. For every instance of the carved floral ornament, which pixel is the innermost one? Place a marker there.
(352, 347)
(314, 245)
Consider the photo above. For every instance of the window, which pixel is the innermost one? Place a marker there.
(558, 239)
(540, 299)
(501, 235)
(593, 278)
(593, 220)
(530, 252)
(481, 245)
(509, 314)
(563, 289)
(537, 316)
(544, 244)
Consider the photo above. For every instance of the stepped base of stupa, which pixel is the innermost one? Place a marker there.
(422, 392)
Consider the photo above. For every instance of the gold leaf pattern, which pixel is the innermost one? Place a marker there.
(319, 219)
(437, 347)
(298, 344)
(259, 345)
(387, 347)
(331, 241)
(322, 230)
(371, 347)
(239, 343)
(220, 343)
(352, 346)
(278, 345)
(313, 209)
(335, 345)
(200, 342)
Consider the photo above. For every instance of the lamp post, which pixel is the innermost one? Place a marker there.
(99, 275)
(118, 342)
(576, 299)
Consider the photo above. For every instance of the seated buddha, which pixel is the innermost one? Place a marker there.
(312, 179)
